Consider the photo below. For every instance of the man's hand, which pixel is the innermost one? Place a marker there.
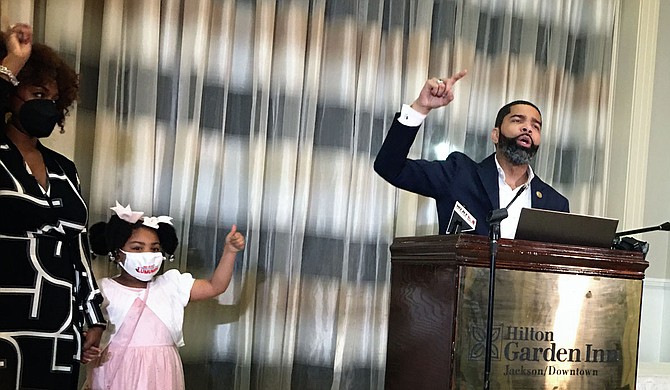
(437, 93)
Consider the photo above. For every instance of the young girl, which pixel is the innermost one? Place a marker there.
(145, 312)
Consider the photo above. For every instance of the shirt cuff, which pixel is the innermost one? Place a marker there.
(410, 117)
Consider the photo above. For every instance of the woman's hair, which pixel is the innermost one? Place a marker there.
(109, 237)
(43, 66)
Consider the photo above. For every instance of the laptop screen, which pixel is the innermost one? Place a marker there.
(566, 228)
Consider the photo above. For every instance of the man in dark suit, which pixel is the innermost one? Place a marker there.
(479, 187)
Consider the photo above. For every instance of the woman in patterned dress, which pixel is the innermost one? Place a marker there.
(47, 291)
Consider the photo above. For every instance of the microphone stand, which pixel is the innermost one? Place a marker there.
(663, 226)
(494, 218)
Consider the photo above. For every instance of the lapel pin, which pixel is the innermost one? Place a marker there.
(538, 194)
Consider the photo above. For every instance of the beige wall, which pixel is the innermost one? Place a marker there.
(657, 196)
(639, 164)
(656, 309)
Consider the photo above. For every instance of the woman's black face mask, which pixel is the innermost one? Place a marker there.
(38, 117)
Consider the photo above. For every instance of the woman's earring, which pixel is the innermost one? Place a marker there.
(111, 257)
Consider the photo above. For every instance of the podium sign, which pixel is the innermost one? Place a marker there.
(551, 331)
(565, 317)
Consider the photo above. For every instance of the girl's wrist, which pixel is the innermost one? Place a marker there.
(229, 248)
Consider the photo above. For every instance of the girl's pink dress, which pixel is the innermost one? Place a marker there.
(150, 362)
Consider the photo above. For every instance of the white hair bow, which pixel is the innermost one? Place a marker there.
(153, 222)
(130, 216)
(126, 214)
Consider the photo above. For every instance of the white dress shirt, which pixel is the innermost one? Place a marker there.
(506, 193)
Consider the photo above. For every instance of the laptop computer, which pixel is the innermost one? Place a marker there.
(566, 228)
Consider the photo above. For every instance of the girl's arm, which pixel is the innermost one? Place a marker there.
(218, 283)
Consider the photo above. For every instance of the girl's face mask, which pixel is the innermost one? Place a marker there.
(142, 265)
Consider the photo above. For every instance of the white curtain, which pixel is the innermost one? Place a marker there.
(268, 114)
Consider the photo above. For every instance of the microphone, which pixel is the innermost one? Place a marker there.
(498, 215)
(632, 244)
(461, 220)
(664, 226)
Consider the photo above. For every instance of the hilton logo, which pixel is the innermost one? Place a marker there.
(478, 342)
(527, 344)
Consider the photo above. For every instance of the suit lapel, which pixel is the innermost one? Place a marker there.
(488, 174)
(538, 199)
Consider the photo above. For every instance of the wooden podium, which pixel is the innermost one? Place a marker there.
(565, 317)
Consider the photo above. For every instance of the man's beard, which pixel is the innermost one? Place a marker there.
(515, 153)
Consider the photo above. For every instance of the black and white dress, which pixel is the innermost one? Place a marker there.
(47, 290)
